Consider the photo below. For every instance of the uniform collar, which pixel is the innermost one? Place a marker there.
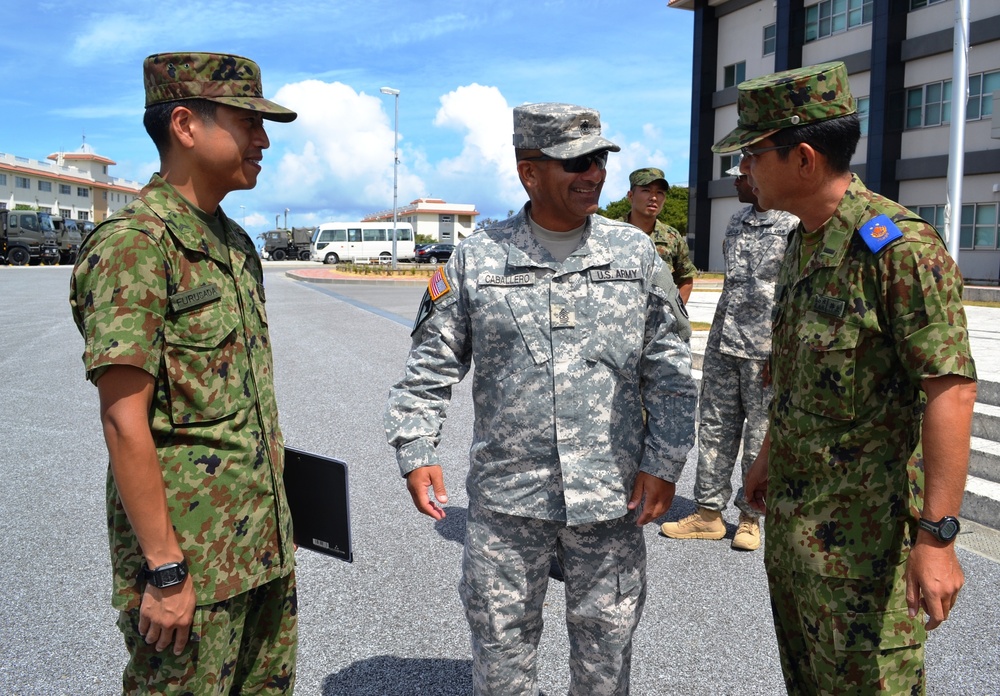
(186, 221)
(526, 251)
(838, 230)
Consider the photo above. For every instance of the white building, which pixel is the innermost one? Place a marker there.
(432, 217)
(899, 56)
(74, 185)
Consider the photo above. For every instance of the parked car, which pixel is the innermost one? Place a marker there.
(434, 253)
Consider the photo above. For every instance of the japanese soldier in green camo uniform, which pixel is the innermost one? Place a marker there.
(648, 189)
(573, 323)
(168, 294)
(863, 468)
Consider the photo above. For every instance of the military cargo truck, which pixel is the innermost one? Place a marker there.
(68, 238)
(27, 236)
(288, 244)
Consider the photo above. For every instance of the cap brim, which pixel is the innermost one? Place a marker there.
(579, 146)
(740, 137)
(267, 108)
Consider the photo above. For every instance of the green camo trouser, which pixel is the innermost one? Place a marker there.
(245, 644)
(841, 636)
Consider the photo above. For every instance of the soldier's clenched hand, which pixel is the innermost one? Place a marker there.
(420, 482)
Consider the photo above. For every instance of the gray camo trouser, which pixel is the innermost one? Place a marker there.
(732, 392)
(505, 568)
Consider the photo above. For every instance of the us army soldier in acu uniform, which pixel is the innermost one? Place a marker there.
(864, 465)
(168, 294)
(732, 383)
(573, 323)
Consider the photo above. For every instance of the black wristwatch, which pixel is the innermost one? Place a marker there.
(166, 575)
(945, 529)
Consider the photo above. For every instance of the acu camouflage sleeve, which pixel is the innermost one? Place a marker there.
(119, 299)
(669, 394)
(923, 289)
(439, 358)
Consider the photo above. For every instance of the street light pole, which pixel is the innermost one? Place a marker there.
(395, 166)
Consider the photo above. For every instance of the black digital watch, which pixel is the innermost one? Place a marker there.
(166, 575)
(945, 529)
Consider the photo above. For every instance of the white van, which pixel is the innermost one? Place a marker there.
(363, 242)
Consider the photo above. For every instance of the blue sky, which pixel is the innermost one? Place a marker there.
(73, 69)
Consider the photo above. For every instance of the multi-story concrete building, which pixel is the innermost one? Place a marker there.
(75, 185)
(899, 55)
(432, 217)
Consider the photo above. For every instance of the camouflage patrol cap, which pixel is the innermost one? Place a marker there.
(791, 98)
(560, 131)
(217, 77)
(646, 176)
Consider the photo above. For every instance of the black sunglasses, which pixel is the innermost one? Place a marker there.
(576, 165)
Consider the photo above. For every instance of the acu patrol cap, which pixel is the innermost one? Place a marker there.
(560, 131)
(218, 77)
(771, 103)
(646, 176)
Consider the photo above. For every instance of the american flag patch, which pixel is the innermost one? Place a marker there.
(438, 286)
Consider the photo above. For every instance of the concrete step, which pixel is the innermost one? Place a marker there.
(986, 422)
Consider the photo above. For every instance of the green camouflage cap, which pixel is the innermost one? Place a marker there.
(217, 77)
(644, 177)
(560, 131)
(791, 98)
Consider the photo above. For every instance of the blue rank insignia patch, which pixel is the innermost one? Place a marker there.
(879, 232)
(438, 286)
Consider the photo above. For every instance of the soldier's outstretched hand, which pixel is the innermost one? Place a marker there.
(420, 482)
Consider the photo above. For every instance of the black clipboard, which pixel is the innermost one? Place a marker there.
(320, 501)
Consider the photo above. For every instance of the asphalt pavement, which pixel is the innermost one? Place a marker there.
(390, 623)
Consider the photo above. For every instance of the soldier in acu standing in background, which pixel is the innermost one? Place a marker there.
(733, 389)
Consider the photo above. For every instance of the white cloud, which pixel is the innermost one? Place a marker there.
(483, 173)
(337, 156)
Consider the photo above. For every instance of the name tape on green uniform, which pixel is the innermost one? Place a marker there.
(829, 305)
(195, 297)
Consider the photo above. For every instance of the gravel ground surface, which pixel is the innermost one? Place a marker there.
(391, 622)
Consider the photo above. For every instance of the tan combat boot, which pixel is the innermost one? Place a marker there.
(747, 534)
(703, 524)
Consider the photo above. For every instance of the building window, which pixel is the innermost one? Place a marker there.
(45, 209)
(734, 74)
(3, 179)
(83, 215)
(82, 192)
(834, 16)
(979, 226)
(727, 162)
(45, 186)
(65, 189)
(770, 39)
(929, 105)
(933, 214)
(22, 182)
(862, 104)
(917, 4)
(66, 213)
(981, 90)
